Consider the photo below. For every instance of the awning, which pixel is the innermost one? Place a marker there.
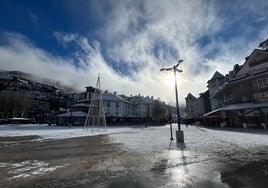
(212, 112)
(238, 106)
(244, 106)
(210, 116)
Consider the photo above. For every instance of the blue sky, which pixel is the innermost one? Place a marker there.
(128, 41)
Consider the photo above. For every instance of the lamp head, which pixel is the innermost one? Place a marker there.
(180, 61)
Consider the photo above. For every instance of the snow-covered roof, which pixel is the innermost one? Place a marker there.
(74, 114)
(106, 96)
(81, 105)
(148, 100)
(5, 76)
(19, 118)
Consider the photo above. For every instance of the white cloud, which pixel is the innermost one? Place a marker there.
(21, 55)
(147, 35)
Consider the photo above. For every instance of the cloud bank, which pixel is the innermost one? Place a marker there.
(137, 38)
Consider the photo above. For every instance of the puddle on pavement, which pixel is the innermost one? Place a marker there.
(189, 169)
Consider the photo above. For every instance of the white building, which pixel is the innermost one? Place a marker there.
(116, 106)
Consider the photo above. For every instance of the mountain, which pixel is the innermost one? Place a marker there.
(64, 89)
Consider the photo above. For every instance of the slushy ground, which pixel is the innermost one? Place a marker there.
(135, 156)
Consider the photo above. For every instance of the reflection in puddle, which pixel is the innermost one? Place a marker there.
(179, 171)
(186, 169)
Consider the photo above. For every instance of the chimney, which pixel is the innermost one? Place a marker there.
(114, 92)
(236, 69)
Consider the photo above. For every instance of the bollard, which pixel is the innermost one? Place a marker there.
(179, 136)
(244, 125)
(264, 125)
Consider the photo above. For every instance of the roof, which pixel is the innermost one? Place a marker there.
(19, 118)
(244, 106)
(73, 114)
(239, 106)
(253, 52)
(190, 96)
(148, 100)
(216, 75)
(264, 44)
(106, 96)
(81, 105)
(5, 76)
(242, 77)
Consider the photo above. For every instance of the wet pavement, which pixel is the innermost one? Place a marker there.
(212, 157)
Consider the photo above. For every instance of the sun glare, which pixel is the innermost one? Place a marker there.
(170, 80)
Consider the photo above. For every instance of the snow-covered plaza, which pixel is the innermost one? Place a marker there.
(209, 157)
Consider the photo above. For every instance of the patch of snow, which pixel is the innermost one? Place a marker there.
(3, 165)
(28, 168)
(55, 132)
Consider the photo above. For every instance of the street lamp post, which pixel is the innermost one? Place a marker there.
(179, 133)
(170, 125)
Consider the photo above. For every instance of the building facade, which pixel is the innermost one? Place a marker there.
(197, 106)
(121, 108)
(30, 98)
(239, 99)
(214, 84)
(245, 91)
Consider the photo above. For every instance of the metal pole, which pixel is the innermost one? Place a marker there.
(170, 124)
(171, 136)
(177, 101)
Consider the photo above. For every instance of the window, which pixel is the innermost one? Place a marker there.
(227, 97)
(242, 89)
(108, 104)
(260, 83)
(261, 97)
(108, 111)
(213, 84)
(117, 112)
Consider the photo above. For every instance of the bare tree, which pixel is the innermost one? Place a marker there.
(159, 111)
(14, 103)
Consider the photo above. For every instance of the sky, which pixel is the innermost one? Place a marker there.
(127, 42)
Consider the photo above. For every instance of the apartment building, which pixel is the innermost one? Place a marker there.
(239, 99)
(119, 108)
(34, 98)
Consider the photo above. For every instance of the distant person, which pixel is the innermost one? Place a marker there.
(189, 122)
(169, 118)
